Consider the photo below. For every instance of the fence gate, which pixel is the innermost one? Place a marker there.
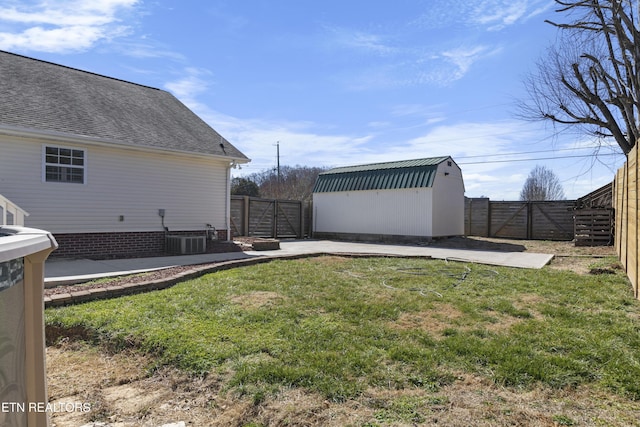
(509, 220)
(251, 216)
(552, 220)
(520, 220)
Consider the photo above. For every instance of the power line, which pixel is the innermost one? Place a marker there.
(540, 158)
(530, 152)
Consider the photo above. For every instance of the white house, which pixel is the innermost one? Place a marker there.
(411, 200)
(108, 166)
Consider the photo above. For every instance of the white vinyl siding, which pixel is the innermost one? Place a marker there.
(405, 212)
(123, 191)
(448, 212)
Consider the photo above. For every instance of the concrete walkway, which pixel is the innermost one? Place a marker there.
(62, 271)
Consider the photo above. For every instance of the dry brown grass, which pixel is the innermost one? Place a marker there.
(434, 321)
(258, 299)
(122, 394)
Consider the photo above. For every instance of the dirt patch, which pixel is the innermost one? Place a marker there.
(257, 299)
(121, 393)
(435, 321)
(567, 248)
(444, 317)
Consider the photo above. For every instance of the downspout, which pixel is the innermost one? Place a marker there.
(227, 200)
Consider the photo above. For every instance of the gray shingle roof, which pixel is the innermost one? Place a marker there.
(46, 97)
(418, 173)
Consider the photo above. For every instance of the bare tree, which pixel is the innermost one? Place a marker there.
(542, 184)
(294, 182)
(591, 78)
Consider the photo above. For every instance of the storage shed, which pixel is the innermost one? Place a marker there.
(410, 200)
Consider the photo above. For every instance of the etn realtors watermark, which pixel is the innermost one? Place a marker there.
(39, 407)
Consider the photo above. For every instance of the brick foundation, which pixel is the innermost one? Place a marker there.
(126, 244)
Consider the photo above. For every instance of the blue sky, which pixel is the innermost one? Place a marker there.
(335, 82)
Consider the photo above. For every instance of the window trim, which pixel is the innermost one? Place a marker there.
(82, 167)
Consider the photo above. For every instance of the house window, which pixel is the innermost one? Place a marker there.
(64, 165)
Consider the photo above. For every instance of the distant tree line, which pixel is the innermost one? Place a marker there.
(292, 183)
(296, 183)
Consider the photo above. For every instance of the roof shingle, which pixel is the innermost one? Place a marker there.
(46, 97)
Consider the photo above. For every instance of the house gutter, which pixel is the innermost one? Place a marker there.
(105, 142)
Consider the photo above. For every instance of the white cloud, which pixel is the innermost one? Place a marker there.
(492, 15)
(190, 85)
(300, 142)
(413, 69)
(62, 26)
(143, 49)
(361, 41)
(401, 62)
(464, 57)
(499, 14)
(478, 147)
(471, 139)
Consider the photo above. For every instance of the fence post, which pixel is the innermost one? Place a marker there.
(489, 218)
(529, 233)
(623, 216)
(274, 232)
(301, 222)
(635, 213)
(245, 216)
(23, 360)
(34, 323)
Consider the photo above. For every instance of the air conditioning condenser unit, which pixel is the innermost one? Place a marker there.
(185, 245)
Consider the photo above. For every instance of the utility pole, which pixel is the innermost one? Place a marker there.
(278, 159)
(277, 169)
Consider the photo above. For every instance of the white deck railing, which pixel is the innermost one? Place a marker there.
(10, 213)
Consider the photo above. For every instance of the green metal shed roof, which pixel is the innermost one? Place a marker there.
(418, 173)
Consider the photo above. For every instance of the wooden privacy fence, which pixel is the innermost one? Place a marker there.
(519, 220)
(252, 216)
(625, 191)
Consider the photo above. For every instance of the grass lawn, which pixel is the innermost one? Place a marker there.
(340, 327)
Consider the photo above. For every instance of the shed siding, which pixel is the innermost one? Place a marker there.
(404, 212)
(119, 182)
(448, 210)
